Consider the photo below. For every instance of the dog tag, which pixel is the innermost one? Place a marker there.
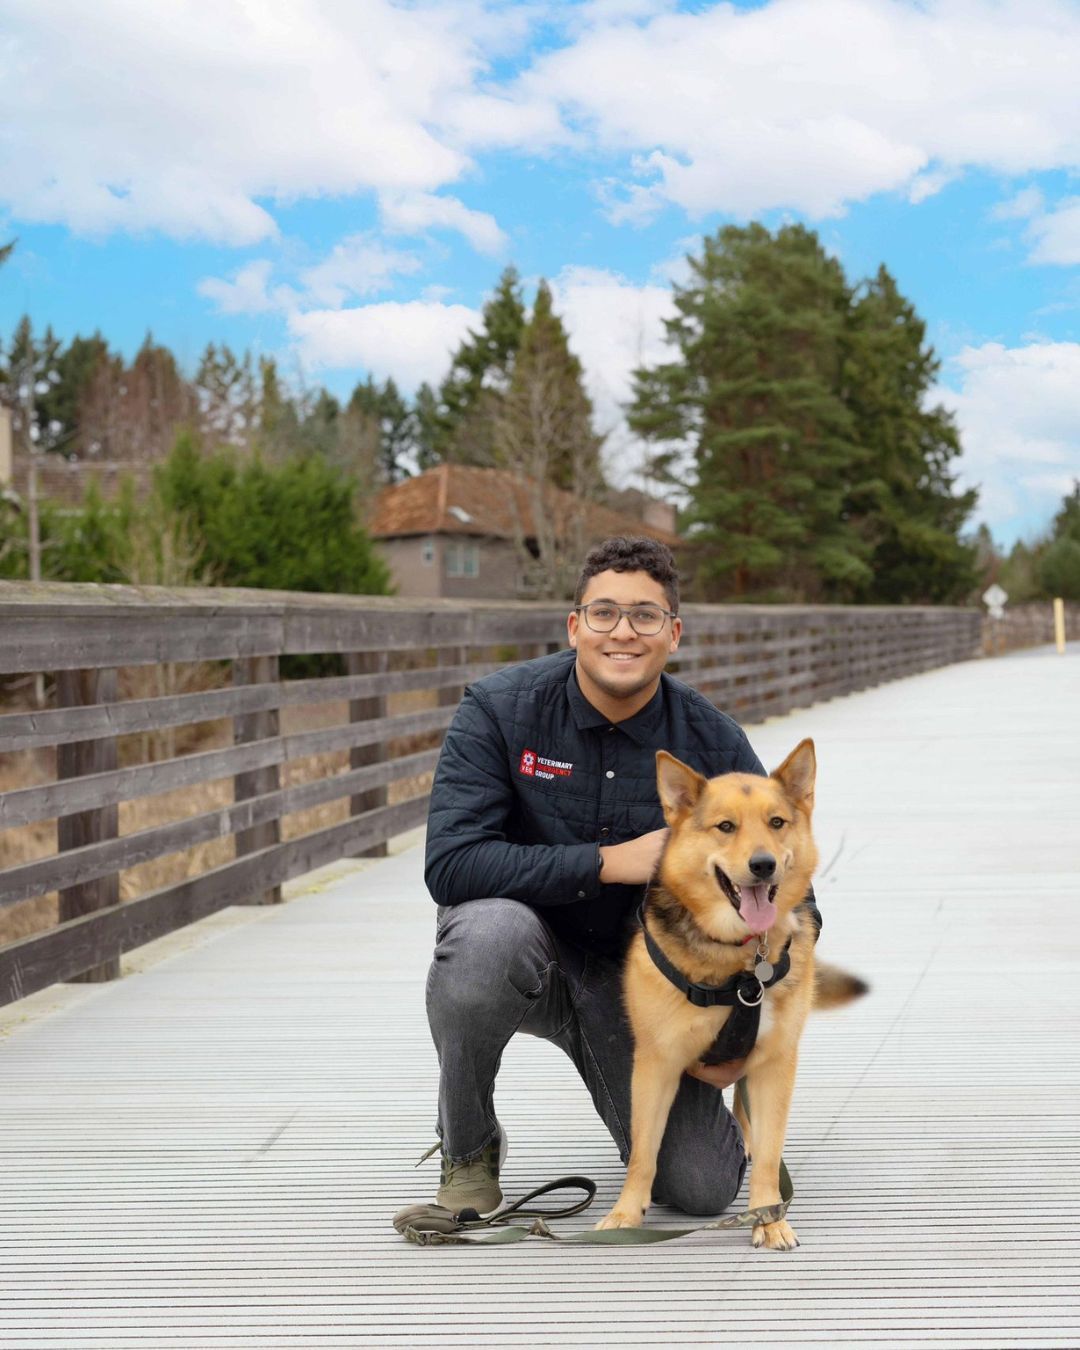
(764, 971)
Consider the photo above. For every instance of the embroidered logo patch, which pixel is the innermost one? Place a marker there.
(538, 766)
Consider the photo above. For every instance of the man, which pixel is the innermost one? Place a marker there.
(543, 829)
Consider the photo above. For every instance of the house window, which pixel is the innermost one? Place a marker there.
(427, 552)
(462, 558)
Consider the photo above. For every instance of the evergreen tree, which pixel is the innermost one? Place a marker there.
(1067, 521)
(428, 428)
(75, 367)
(755, 394)
(1058, 567)
(545, 424)
(278, 424)
(286, 527)
(28, 374)
(904, 502)
(384, 408)
(460, 427)
(544, 434)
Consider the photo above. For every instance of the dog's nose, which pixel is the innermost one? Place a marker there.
(763, 865)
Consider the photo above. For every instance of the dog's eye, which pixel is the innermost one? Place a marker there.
(726, 826)
(778, 822)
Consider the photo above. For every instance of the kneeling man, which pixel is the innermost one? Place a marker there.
(544, 826)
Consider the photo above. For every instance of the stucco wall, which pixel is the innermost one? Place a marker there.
(497, 579)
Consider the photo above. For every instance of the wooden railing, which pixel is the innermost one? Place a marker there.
(1030, 624)
(753, 661)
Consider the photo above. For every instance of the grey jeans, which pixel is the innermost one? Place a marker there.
(499, 969)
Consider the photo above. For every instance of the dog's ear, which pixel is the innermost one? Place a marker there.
(797, 774)
(679, 786)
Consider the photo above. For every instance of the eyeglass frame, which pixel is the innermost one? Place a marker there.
(624, 613)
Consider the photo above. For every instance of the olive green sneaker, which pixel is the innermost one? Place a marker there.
(473, 1184)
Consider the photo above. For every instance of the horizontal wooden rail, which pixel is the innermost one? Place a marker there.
(147, 780)
(405, 662)
(24, 731)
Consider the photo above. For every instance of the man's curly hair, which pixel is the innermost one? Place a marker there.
(623, 554)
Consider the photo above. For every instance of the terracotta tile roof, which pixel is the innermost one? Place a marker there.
(460, 499)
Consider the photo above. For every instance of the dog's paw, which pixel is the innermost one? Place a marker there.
(621, 1218)
(775, 1237)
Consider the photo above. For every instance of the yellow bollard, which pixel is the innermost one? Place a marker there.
(1059, 623)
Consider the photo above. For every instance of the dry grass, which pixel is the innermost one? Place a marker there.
(30, 842)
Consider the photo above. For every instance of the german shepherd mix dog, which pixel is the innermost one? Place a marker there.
(737, 864)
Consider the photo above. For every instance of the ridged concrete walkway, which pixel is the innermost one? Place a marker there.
(207, 1153)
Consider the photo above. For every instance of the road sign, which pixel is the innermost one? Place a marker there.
(994, 598)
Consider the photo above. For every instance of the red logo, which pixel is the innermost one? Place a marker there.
(540, 766)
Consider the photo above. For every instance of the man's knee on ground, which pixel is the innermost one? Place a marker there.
(699, 1189)
(485, 945)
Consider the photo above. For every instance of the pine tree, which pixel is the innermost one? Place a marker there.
(396, 423)
(1058, 568)
(905, 505)
(59, 406)
(278, 423)
(544, 434)
(460, 427)
(28, 376)
(755, 394)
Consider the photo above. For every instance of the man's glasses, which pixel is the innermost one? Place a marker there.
(603, 617)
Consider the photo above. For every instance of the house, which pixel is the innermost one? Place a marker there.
(459, 532)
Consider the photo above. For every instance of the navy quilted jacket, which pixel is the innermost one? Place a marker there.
(532, 780)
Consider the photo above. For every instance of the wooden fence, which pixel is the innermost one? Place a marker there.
(1028, 625)
(753, 661)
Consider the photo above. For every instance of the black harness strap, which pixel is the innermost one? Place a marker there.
(743, 993)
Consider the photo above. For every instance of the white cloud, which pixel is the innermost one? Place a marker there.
(1018, 410)
(812, 104)
(357, 266)
(417, 212)
(247, 292)
(136, 116)
(1026, 203)
(411, 341)
(165, 116)
(1055, 235)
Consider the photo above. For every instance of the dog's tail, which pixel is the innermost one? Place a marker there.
(834, 987)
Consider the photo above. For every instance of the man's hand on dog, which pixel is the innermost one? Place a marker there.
(718, 1075)
(632, 863)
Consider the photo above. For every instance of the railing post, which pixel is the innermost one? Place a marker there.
(257, 726)
(77, 688)
(363, 710)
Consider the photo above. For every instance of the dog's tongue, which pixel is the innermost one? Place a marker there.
(757, 910)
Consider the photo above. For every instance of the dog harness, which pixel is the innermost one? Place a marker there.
(743, 994)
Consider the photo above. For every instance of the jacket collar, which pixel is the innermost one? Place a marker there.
(639, 728)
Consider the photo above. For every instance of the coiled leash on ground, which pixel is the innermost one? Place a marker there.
(436, 1226)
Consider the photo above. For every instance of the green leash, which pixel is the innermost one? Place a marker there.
(436, 1226)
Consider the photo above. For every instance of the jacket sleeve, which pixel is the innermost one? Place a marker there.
(468, 853)
(747, 762)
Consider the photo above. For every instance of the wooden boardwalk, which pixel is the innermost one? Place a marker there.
(207, 1153)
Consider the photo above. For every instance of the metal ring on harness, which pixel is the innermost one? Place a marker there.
(752, 1003)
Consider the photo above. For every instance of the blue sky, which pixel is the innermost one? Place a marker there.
(340, 182)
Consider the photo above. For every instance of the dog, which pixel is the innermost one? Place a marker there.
(737, 863)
